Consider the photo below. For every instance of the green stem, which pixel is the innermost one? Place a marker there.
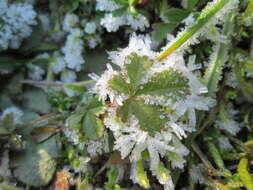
(214, 71)
(202, 20)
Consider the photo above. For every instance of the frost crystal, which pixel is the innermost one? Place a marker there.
(17, 20)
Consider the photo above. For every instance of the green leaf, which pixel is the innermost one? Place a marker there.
(244, 174)
(148, 116)
(162, 29)
(93, 126)
(169, 82)
(175, 15)
(118, 83)
(36, 165)
(112, 175)
(136, 69)
(124, 111)
(142, 176)
(191, 4)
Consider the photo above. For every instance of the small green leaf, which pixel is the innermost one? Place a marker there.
(162, 29)
(112, 175)
(93, 126)
(118, 83)
(149, 116)
(191, 4)
(137, 68)
(175, 15)
(142, 176)
(124, 111)
(169, 82)
(244, 174)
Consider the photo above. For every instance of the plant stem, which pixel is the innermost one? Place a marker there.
(53, 84)
(202, 20)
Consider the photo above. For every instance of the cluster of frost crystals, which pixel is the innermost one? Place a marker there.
(130, 139)
(136, 22)
(16, 21)
(74, 46)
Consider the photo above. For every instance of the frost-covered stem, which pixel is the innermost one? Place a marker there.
(202, 20)
(214, 71)
(52, 84)
(202, 157)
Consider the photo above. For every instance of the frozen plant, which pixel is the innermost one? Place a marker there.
(148, 97)
(16, 21)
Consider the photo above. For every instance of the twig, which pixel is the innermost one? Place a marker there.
(41, 118)
(53, 84)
